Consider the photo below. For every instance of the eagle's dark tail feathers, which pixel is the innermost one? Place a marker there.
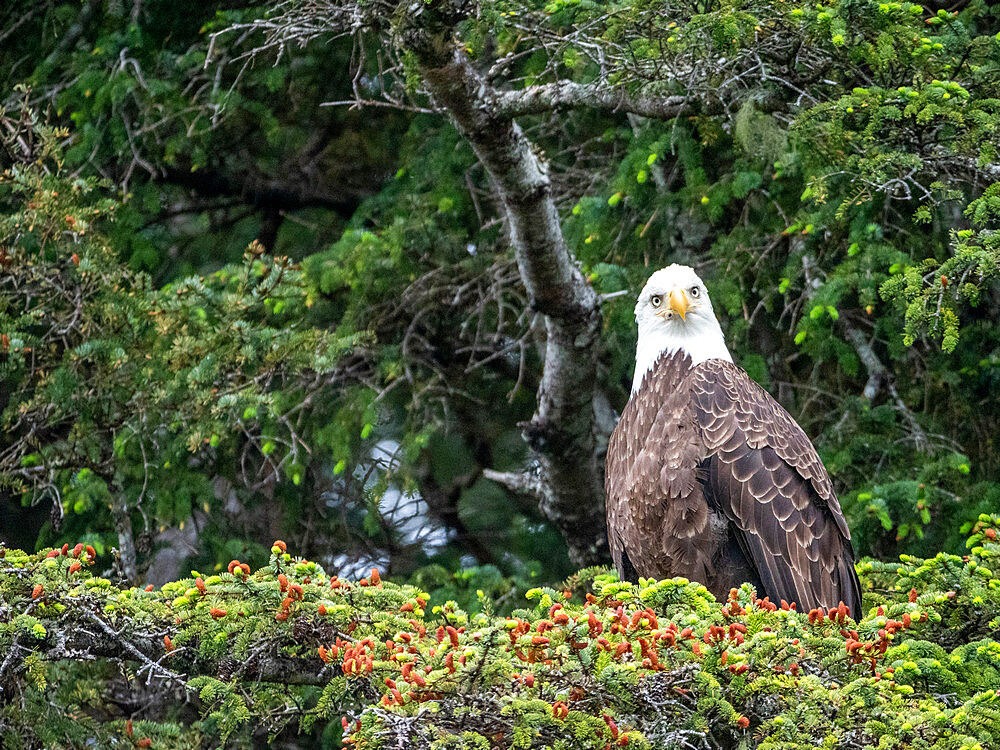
(849, 585)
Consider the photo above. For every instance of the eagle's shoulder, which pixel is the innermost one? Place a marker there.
(657, 426)
(662, 391)
(731, 408)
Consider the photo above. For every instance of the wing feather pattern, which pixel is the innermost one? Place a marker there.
(764, 474)
(658, 518)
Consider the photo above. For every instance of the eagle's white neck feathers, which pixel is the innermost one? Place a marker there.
(698, 333)
(701, 345)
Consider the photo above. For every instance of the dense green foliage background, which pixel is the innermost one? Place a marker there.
(860, 207)
(230, 312)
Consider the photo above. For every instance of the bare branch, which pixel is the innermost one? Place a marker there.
(971, 167)
(524, 482)
(567, 94)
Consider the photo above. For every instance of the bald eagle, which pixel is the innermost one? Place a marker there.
(708, 477)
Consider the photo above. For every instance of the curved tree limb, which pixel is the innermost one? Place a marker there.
(561, 431)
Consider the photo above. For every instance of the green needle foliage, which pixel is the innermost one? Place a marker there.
(121, 397)
(289, 650)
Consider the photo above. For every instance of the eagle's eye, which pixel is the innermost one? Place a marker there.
(695, 291)
(656, 300)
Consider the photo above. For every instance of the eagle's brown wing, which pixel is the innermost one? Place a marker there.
(762, 471)
(658, 517)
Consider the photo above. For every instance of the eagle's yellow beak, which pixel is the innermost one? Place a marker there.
(679, 302)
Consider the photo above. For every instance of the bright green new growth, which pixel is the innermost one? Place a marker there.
(287, 649)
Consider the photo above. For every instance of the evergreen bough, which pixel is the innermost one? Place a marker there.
(287, 649)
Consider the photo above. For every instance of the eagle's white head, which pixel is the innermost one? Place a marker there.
(674, 312)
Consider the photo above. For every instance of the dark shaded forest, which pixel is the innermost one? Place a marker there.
(360, 276)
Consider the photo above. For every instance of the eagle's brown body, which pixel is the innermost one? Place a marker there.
(709, 478)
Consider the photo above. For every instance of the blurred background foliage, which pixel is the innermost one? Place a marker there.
(847, 232)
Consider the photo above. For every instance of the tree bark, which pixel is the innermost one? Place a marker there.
(549, 96)
(560, 433)
(126, 539)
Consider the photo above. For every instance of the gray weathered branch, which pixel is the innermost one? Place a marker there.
(971, 167)
(126, 539)
(523, 482)
(561, 430)
(550, 96)
(878, 374)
